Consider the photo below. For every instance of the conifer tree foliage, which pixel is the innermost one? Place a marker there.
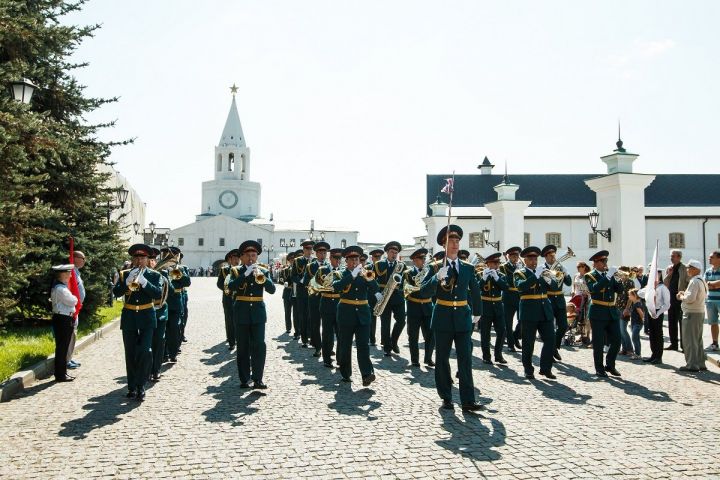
(50, 186)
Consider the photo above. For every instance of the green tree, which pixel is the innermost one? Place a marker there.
(50, 185)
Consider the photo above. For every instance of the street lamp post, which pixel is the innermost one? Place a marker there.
(594, 218)
(152, 231)
(486, 237)
(122, 195)
(136, 227)
(22, 90)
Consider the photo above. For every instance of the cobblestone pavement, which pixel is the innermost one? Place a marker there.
(197, 423)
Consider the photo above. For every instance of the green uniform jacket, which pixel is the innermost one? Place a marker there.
(328, 304)
(382, 275)
(354, 289)
(415, 309)
(245, 312)
(532, 309)
(511, 296)
(161, 311)
(602, 289)
(222, 275)
(453, 318)
(558, 301)
(140, 319)
(298, 271)
(493, 289)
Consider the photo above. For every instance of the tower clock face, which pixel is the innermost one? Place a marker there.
(228, 199)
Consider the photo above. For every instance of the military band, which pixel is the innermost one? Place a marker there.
(556, 295)
(385, 271)
(419, 310)
(232, 259)
(511, 297)
(493, 284)
(301, 294)
(375, 256)
(320, 249)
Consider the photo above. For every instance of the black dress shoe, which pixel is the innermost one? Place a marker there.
(173, 360)
(140, 395)
(332, 354)
(512, 349)
(328, 365)
(231, 347)
(346, 380)
(656, 361)
(612, 371)
(66, 378)
(557, 356)
(648, 359)
(304, 345)
(368, 380)
(487, 361)
(517, 345)
(372, 344)
(448, 405)
(184, 339)
(671, 347)
(259, 385)
(601, 374)
(429, 363)
(415, 364)
(549, 375)
(388, 354)
(155, 378)
(317, 353)
(396, 349)
(287, 332)
(500, 360)
(296, 336)
(472, 407)
(530, 376)
(244, 385)
(686, 369)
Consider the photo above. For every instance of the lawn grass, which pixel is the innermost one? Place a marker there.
(21, 347)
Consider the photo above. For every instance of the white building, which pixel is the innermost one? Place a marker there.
(131, 212)
(635, 210)
(231, 206)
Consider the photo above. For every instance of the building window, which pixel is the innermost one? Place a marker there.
(259, 240)
(677, 240)
(201, 242)
(222, 242)
(343, 243)
(282, 242)
(526, 240)
(231, 162)
(592, 240)
(292, 240)
(181, 242)
(553, 238)
(477, 240)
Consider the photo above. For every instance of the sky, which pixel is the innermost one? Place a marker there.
(347, 106)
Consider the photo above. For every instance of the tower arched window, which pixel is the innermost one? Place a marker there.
(343, 243)
(231, 162)
(218, 167)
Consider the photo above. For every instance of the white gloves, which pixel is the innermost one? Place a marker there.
(539, 271)
(547, 279)
(285, 284)
(443, 273)
(356, 271)
(142, 280)
(131, 277)
(378, 296)
(485, 274)
(249, 271)
(611, 271)
(494, 274)
(476, 318)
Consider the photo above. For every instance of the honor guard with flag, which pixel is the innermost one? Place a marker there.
(140, 287)
(301, 294)
(385, 270)
(535, 313)
(603, 314)
(511, 297)
(353, 315)
(557, 297)
(232, 259)
(329, 304)
(249, 282)
(321, 249)
(453, 281)
(375, 256)
(493, 284)
(419, 310)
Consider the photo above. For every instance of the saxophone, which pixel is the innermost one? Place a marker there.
(409, 289)
(394, 279)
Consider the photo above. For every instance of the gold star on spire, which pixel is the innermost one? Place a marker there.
(233, 89)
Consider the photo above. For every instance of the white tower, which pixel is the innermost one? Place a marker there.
(231, 192)
(508, 215)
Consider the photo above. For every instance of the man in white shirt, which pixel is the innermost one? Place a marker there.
(79, 261)
(655, 322)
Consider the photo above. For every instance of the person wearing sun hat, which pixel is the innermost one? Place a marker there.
(453, 282)
(353, 316)
(320, 248)
(419, 312)
(535, 313)
(603, 314)
(140, 287)
(249, 314)
(63, 308)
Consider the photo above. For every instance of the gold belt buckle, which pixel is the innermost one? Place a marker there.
(454, 303)
(137, 308)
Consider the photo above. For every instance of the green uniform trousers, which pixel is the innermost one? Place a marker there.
(138, 356)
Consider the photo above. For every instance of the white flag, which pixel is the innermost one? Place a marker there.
(652, 278)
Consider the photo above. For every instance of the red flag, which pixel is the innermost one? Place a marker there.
(449, 187)
(73, 283)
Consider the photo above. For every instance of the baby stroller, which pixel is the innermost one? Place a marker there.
(576, 321)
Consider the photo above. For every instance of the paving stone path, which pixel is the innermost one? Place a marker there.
(197, 423)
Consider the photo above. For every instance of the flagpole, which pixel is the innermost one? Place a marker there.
(447, 227)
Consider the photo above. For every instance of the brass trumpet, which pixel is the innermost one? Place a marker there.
(368, 275)
(176, 274)
(135, 285)
(259, 276)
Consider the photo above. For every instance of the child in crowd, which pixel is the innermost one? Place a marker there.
(637, 319)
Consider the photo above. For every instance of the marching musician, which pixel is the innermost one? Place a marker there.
(287, 295)
(535, 313)
(603, 314)
(176, 306)
(493, 284)
(557, 297)
(464, 255)
(384, 270)
(353, 315)
(329, 306)
(375, 256)
(161, 313)
(183, 291)
(232, 259)
(511, 297)
(321, 249)
(140, 287)
(301, 294)
(452, 318)
(419, 312)
(249, 282)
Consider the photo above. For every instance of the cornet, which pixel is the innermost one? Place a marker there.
(135, 285)
(368, 275)
(259, 276)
